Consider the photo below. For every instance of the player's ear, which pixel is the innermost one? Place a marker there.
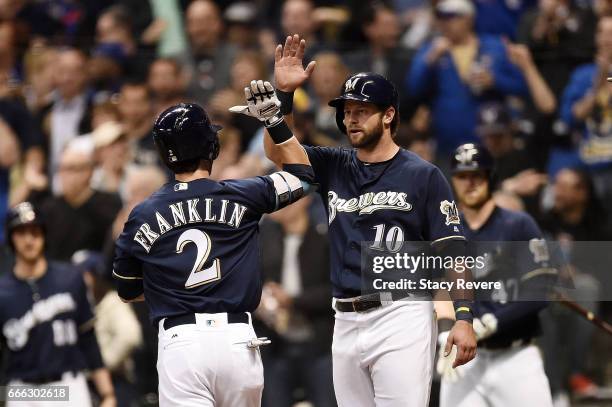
(388, 115)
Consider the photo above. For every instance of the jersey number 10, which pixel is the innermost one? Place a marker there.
(198, 277)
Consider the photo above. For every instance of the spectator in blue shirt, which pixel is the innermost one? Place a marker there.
(586, 108)
(457, 71)
(500, 17)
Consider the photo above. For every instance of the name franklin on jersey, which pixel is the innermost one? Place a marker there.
(187, 212)
(367, 203)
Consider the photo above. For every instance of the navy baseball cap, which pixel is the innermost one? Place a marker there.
(493, 118)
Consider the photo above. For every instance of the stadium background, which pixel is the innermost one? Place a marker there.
(81, 82)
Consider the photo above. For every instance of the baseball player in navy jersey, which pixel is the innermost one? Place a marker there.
(47, 320)
(508, 370)
(382, 350)
(191, 252)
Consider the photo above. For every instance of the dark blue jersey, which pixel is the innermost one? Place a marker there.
(194, 246)
(402, 199)
(517, 266)
(42, 321)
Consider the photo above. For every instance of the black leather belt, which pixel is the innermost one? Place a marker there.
(369, 302)
(184, 319)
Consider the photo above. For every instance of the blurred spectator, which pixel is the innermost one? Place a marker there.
(8, 52)
(229, 154)
(114, 26)
(112, 155)
(602, 7)
(210, 59)
(576, 212)
(136, 112)
(502, 138)
(576, 215)
(459, 70)
(326, 84)
(166, 29)
(560, 36)
(241, 20)
(508, 200)
(140, 182)
(167, 83)
(69, 115)
(297, 17)
(9, 155)
(40, 77)
(117, 329)
(500, 17)
(104, 112)
(541, 95)
(295, 308)
(79, 212)
(382, 53)
(105, 69)
(20, 142)
(247, 66)
(587, 108)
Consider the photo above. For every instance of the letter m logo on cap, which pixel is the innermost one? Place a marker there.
(349, 86)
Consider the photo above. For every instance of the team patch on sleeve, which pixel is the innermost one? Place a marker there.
(449, 209)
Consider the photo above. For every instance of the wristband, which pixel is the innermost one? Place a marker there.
(463, 310)
(286, 99)
(279, 131)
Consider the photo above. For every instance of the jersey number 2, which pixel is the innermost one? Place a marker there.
(197, 277)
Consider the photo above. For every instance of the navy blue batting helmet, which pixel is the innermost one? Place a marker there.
(471, 157)
(184, 132)
(22, 214)
(366, 87)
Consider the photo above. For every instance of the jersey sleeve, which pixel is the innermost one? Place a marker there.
(323, 161)
(84, 313)
(535, 262)
(256, 192)
(442, 220)
(126, 265)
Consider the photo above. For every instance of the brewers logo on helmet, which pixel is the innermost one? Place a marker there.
(367, 87)
(185, 132)
(21, 215)
(471, 157)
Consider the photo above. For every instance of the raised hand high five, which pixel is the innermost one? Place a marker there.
(289, 72)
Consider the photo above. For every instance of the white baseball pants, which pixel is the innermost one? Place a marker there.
(209, 364)
(499, 378)
(384, 357)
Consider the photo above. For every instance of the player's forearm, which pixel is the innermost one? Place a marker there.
(462, 297)
(103, 383)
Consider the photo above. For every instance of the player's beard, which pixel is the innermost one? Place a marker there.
(369, 139)
(476, 202)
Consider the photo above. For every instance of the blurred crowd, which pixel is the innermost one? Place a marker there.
(82, 81)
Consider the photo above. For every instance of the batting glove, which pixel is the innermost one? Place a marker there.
(262, 103)
(444, 367)
(485, 326)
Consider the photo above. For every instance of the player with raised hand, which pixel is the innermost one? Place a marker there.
(382, 350)
(508, 370)
(191, 252)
